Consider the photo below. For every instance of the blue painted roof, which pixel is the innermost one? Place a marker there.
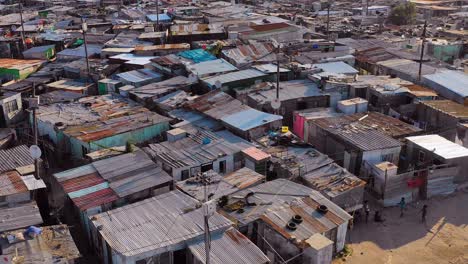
(197, 55)
(454, 81)
(162, 17)
(250, 118)
(88, 190)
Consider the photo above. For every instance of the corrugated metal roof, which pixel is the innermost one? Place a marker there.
(230, 247)
(256, 153)
(219, 185)
(234, 77)
(288, 90)
(455, 81)
(138, 76)
(336, 67)
(20, 216)
(197, 55)
(96, 117)
(191, 151)
(155, 225)
(216, 104)
(277, 199)
(211, 67)
(15, 157)
(440, 146)
(448, 107)
(131, 173)
(248, 119)
(244, 54)
(376, 131)
(332, 180)
(157, 89)
(11, 183)
(96, 198)
(19, 64)
(133, 59)
(93, 49)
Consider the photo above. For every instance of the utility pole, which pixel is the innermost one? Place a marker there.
(423, 44)
(35, 151)
(205, 178)
(157, 15)
(328, 20)
(84, 27)
(277, 72)
(22, 24)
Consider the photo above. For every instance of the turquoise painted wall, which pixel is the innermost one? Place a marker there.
(137, 136)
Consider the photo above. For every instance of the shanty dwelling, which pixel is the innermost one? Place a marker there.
(209, 68)
(237, 79)
(11, 108)
(75, 86)
(41, 52)
(281, 32)
(337, 184)
(12, 69)
(353, 139)
(299, 223)
(293, 95)
(245, 55)
(17, 189)
(433, 150)
(187, 33)
(237, 117)
(251, 123)
(139, 78)
(20, 216)
(293, 162)
(196, 153)
(220, 186)
(300, 118)
(148, 94)
(441, 116)
(98, 122)
(256, 160)
(107, 184)
(49, 244)
(176, 228)
(387, 185)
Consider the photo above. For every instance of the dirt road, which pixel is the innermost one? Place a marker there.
(443, 240)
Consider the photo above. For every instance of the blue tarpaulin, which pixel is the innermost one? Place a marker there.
(162, 18)
(197, 55)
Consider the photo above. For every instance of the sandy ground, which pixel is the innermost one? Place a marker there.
(443, 240)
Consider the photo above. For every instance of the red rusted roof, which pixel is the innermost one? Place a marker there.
(256, 153)
(82, 182)
(94, 199)
(11, 183)
(269, 27)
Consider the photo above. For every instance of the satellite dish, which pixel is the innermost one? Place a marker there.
(35, 152)
(193, 78)
(93, 30)
(116, 14)
(276, 104)
(13, 28)
(218, 84)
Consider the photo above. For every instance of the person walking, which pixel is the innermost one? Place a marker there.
(424, 213)
(402, 205)
(366, 210)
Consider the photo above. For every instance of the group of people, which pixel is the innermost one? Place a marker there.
(402, 205)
